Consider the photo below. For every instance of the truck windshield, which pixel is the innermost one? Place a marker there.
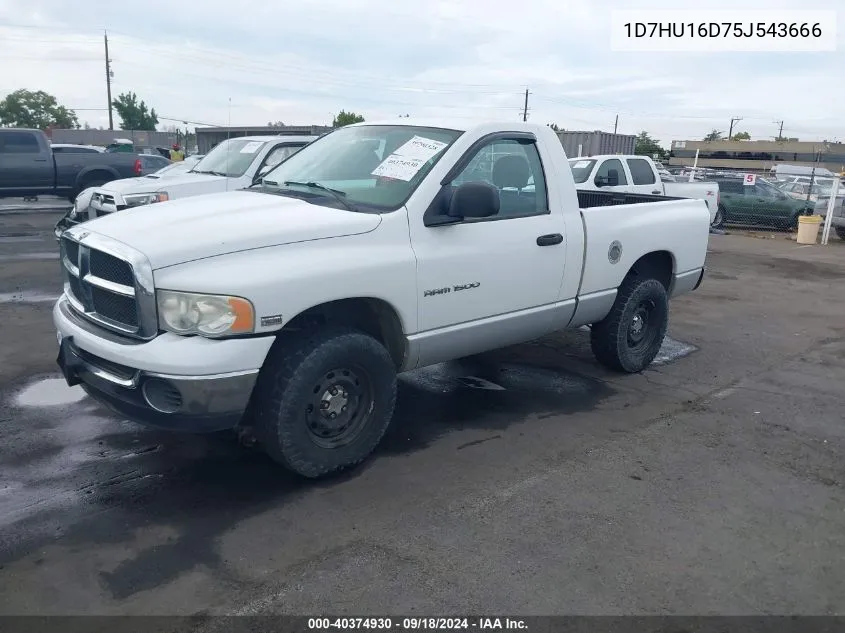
(230, 158)
(581, 169)
(369, 167)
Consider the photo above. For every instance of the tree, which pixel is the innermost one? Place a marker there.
(715, 135)
(275, 124)
(39, 110)
(346, 118)
(134, 115)
(647, 146)
(742, 136)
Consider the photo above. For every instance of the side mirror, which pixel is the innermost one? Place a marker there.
(474, 200)
(612, 178)
(600, 181)
(469, 200)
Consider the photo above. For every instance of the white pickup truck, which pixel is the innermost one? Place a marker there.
(639, 174)
(286, 310)
(233, 164)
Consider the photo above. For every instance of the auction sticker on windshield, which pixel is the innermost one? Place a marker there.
(581, 164)
(251, 147)
(419, 147)
(399, 167)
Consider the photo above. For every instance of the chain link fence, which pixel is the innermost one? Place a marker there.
(763, 204)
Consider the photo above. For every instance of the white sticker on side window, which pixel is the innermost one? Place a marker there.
(251, 147)
(581, 164)
(399, 167)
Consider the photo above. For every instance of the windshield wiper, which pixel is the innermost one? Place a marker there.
(213, 173)
(338, 195)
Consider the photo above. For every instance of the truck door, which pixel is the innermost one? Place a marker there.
(643, 177)
(611, 176)
(491, 278)
(26, 167)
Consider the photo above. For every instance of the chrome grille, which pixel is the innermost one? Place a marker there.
(108, 284)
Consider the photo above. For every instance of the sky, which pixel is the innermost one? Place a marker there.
(300, 62)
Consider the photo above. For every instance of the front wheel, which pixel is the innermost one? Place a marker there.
(324, 400)
(629, 338)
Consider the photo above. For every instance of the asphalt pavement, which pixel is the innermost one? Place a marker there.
(526, 481)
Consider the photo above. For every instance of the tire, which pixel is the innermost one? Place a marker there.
(616, 341)
(293, 400)
(96, 181)
(719, 220)
(840, 231)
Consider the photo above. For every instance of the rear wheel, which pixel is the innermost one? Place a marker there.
(324, 400)
(840, 231)
(94, 181)
(719, 220)
(629, 338)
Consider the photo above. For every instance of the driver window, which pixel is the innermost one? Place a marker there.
(516, 171)
(610, 165)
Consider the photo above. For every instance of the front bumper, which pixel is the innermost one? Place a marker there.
(137, 381)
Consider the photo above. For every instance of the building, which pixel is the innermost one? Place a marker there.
(141, 138)
(208, 137)
(757, 156)
(596, 143)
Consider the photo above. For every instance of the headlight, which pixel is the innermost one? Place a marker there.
(140, 199)
(187, 313)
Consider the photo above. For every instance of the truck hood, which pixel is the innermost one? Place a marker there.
(148, 184)
(179, 231)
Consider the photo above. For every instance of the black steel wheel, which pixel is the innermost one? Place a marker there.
(341, 402)
(323, 399)
(629, 338)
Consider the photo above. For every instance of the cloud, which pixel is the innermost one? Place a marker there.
(302, 62)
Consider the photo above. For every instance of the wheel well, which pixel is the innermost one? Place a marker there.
(372, 316)
(658, 265)
(95, 175)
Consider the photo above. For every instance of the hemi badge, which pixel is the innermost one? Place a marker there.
(270, 321)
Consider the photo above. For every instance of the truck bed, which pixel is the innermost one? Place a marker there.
(590, 198)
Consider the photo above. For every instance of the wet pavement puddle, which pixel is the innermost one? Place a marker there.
(50, 392)
(28, 296)
(28, 256)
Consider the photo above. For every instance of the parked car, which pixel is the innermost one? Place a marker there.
(29, 167)
(234, 164)
(151, 163)
(799, 190)
(285, 310)
(761, 204)
(837, 221)
(638, 174)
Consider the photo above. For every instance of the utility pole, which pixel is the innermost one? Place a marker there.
(525, 109)
(108, 78)
(780, 131)
(731, 131)
(615, 124)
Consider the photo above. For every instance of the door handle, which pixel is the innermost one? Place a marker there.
(549, 240)
(40, 160)
(656, 192)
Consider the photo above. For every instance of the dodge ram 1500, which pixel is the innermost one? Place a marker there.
(287, 309)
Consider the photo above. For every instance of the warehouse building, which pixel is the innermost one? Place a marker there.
(757, 156)
(208, 137)
(596, 143)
